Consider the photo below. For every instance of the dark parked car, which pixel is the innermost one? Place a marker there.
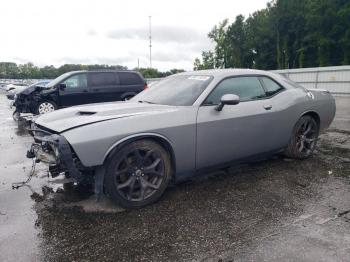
(80, 87)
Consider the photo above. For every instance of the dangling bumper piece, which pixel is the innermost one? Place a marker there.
(55, 151)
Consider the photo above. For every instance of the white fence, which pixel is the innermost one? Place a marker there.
(336, 79)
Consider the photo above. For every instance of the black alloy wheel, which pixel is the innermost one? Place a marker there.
(138, 174)
(304, 138)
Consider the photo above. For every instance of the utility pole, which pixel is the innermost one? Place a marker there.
(138, 63)
(150, 42)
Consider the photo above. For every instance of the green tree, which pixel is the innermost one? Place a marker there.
(343, 15)
(261, 39)
(208, 61)
(149, 72)
(285, 34)
(197, 64)
(9, 70)
(219, 37)
(236, 44)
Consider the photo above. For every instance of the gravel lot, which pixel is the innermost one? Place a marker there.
(274, 210)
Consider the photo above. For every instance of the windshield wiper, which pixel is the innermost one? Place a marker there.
(144, 101)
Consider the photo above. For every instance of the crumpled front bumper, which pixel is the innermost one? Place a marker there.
(54, 150)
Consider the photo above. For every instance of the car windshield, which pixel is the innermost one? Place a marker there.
(177, 90)
(57, 80)
(40, 83)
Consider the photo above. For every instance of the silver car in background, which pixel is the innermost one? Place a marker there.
(186, 124)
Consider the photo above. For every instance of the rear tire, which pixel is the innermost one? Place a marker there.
(138, 174)
(304, 138)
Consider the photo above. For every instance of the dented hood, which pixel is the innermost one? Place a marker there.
(31, 89)
(73, 117)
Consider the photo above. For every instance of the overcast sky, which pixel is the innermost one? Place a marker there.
(56, 32)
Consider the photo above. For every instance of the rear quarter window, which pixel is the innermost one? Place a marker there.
(293, 84)
(129, 78)
(271, 86)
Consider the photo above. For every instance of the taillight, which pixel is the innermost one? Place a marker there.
(145, 86)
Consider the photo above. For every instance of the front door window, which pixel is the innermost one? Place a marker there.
(76, 81)
(247, 88)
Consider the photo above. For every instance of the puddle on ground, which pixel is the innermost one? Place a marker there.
(334, 147)
(241, 207)
(22, 129)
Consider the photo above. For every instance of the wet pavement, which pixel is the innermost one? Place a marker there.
(274, 210)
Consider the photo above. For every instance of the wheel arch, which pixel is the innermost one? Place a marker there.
(291, 150)
(314, 115)
(160, 139)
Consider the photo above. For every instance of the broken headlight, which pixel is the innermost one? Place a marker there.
(52, 146)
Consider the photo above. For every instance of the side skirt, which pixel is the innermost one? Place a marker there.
(223, 166)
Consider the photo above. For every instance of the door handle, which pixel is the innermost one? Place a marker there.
(268, 107)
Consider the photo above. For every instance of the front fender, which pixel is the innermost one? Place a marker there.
(130, 138)
(102, 138)
(93, 142)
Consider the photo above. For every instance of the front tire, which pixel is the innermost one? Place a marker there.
(15, 115)
(45, 107)
(138, 174)
(304, 138)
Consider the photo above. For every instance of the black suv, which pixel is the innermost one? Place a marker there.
(79, 87)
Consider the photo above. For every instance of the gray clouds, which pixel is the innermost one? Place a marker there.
(91, 32)
(117, 60)
(162, 34)
(171, 44)
(113, 31)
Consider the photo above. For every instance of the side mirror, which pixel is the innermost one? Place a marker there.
(228, 99)
(62, 86)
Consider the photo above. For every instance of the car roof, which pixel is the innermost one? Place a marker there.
(221, 73)
(102, 71)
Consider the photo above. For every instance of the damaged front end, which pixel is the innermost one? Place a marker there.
(55, 151)
(27, 100)
(25, 103)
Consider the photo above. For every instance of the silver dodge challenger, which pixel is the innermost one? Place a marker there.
(186, 124)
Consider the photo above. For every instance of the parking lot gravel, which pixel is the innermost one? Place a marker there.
(273, 210)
